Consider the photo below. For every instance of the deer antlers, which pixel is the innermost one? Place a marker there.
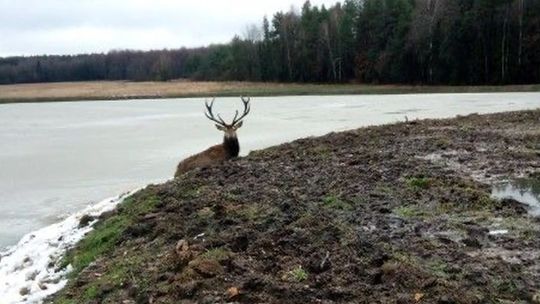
(210, 115)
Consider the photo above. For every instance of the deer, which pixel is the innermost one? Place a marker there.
(221, 152)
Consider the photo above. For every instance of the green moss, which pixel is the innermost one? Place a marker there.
(408, 211)
(323, 152)
(334, 202)
(65, 301)
(97, 242)
(218, 254)
(191, 191)
(105, 235)
(418, 182)
(91, 293)
(250, 212)
(298, 274)
(438, 268)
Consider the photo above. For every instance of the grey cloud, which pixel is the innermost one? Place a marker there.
(62, 26)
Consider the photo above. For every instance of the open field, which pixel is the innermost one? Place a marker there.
(105, 90)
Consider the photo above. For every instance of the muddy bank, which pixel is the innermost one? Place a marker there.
(391, 214)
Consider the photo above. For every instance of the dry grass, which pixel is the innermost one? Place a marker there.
(97, 90)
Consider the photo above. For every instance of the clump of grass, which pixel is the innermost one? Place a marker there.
(322, 151)
(217, 254)
(334, 202)
(91, 293)
(408, 211)
(438, 268)
(298, 274)
(442, 143)
(418, 182)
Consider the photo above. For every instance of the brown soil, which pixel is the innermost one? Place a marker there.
(388, 214)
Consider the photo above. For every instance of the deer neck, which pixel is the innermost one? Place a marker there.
(231, 145)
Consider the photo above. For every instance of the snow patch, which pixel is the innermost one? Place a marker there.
(498, 232)
(28, 270)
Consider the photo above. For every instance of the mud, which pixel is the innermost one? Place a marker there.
(389, 214)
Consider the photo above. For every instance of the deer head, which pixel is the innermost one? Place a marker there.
(228, 129)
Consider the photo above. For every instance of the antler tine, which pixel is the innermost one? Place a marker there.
(235, 115)
(247, 108)
(210, 115)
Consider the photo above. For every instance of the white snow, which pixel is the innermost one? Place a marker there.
(498, 232)
(28, 270)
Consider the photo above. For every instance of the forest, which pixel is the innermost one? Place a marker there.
(454, 42)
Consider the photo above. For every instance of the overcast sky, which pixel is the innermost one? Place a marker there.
(30, 27)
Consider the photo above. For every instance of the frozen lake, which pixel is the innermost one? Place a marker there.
(56, 158)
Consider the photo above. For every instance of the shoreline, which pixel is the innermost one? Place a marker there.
(125, 90)
(406, 208)
(27, 269)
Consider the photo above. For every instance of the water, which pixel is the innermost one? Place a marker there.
(56, 158)
(523, 190)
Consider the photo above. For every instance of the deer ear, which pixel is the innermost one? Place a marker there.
(220, 128)
(238, 125)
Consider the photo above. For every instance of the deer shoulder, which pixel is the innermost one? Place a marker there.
(208, 157)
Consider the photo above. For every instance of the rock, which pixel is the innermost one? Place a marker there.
(85, 220)
(181, 246)
(232, 292)
(42, 286)
(24, 291)
(183, 252)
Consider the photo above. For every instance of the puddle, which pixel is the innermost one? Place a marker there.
(524, 190)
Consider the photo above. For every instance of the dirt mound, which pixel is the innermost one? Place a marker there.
(389, 214)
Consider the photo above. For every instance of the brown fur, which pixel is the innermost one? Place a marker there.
(211, 156)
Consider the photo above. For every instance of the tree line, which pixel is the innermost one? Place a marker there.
(369, 41)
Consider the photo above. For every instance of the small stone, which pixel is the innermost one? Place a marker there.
(42, 286)
(24, 291)
(85, 220)
(183, 252)
(181, 246)
(232, 292)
